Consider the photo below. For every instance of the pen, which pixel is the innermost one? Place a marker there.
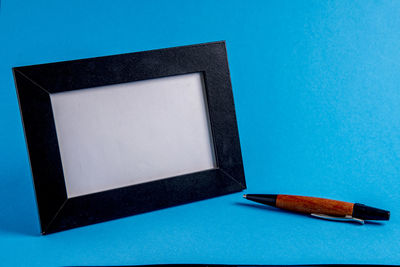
(321, 207)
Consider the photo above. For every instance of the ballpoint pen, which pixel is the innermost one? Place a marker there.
(321, 207)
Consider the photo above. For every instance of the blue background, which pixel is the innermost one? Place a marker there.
(316, 87)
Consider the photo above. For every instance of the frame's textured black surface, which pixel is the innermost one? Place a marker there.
(35, 83)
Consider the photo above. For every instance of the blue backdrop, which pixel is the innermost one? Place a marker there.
(317, 93)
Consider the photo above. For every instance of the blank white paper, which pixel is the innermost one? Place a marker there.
(125, 134)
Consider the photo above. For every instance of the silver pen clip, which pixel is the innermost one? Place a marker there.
(333, 218)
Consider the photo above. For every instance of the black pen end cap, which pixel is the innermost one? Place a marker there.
(364, 212)
(262, 198)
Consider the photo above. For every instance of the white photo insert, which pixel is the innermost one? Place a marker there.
(125, 134)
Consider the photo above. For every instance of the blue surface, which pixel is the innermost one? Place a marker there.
(317, 92)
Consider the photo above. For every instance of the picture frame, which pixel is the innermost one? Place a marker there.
(41, 87)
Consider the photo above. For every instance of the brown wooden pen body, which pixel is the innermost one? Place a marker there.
(314, 205)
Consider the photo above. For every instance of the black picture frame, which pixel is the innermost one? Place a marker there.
(34, 85)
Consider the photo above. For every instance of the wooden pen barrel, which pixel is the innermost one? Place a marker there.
(314, 205)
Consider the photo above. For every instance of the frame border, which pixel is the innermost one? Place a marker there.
(34, 85)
